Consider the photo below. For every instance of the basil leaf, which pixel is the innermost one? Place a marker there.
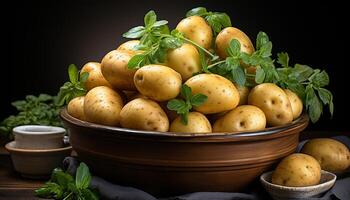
(197, 11)
(198, 99)
(150, 18)
(261, 40)
(73, 73)
(136, 61)
(320, 79)
(313, 105)
(160, 23)
(186, 92)
(234, 48)
(265, 50)
(224, 19)
(301, 72)
(283, 59)
(184, 118)
(176, 104)
(83, 177)
(259, 75)
(238, 76)
(135, 32)
(171, 43)
(325, 95)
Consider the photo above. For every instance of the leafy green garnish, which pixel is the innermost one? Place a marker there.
(183, 107)
(63, 186)
(74, 88)
(32, 110)
(216, 20)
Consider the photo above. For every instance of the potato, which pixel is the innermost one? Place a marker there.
(158, 82)
(222, 94)
(297, 170)
(224, 38)
(95, 75)
(129, 45)
(273, 101)
(196, 29)
(144, 114)
(184, 60)
(102, 105)
(76, 108)
(114, 67)
(243, 94)
(242, 118)
(295, 103)
(332, 155)
(197, 123)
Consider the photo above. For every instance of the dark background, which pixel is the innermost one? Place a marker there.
(41, 38)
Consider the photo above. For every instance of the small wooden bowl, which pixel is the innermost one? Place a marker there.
(165, 164)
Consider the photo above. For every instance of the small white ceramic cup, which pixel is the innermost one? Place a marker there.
(38, 137)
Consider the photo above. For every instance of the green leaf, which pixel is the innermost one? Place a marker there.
(19, 105)
(160, 23)
(134, 33)
(84, 76)
(325, 95)
(265, 50)
(184, 118)
(171, 43)
(176, 104)
(89, 195)
(283, 59)
(261, 40)
(301, 73)
(83, 177)
(50, 190)
(238, 76)
(186, 92)
(320, 79)
(197, 11)
(73, 73)
(313, 105)
(204, 63)
(234, 48)
(150, 18)
(225, 20)
(136, 61)
(177, 34)
(198, 99)
(259, 75)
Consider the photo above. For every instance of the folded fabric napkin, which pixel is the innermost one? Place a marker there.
(341, 189)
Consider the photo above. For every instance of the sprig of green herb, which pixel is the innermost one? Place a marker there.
(73, 88)
(40, 110)
(183, 106)
(62, 185)
(216, 20)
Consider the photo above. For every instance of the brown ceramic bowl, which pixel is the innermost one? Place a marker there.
(166, 164)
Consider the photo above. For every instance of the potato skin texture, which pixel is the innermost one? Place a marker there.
(144, 114)
(222, 94)
(114, 67)
(295, 102)
(158, 82)
(273, 101)
(332, 155)
(224, 38)
(96, 77)
(243, 94)
(242, 118)
(197, 123)
(297, 170)
(185, 60)
(196, 29)
(129, 45)
(76, 108)
(102, 105)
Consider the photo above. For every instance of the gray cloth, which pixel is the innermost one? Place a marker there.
(341, 189)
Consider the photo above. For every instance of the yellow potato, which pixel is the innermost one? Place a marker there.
(295, 103)
(243, 94)
(184, 60)
(76, 108)
(197, 123)
(273, 101)
(196, 29)
(102, 105)
(129, 45)
(332, 155)
(95, 75)
(114, 67)
(297, 170)
(222, 94)
(242, 118)
(158, 82)
(224, 38)
(144, 114)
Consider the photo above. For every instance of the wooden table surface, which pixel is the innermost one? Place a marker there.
(14, 187)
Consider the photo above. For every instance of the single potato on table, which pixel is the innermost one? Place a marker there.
(144, 114)
(114, 67)
(76, 108)
(332, 155)
(295, 102)
(197, 123)
(224, 38)
(297, 170)
(196, 29)
(95, 76)
(222, 93)
(185, 60)
(242, 118)
(273, 101)
(102, 105)
(158, 82)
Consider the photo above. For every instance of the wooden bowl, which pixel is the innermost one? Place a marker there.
(165, 164)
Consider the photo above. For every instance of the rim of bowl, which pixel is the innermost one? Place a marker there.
(11, 148)
(38, 130)
(323, 172)
(301, 121)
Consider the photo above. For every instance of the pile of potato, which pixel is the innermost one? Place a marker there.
(137, 98)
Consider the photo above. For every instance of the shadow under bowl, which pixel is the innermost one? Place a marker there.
(165, 164)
